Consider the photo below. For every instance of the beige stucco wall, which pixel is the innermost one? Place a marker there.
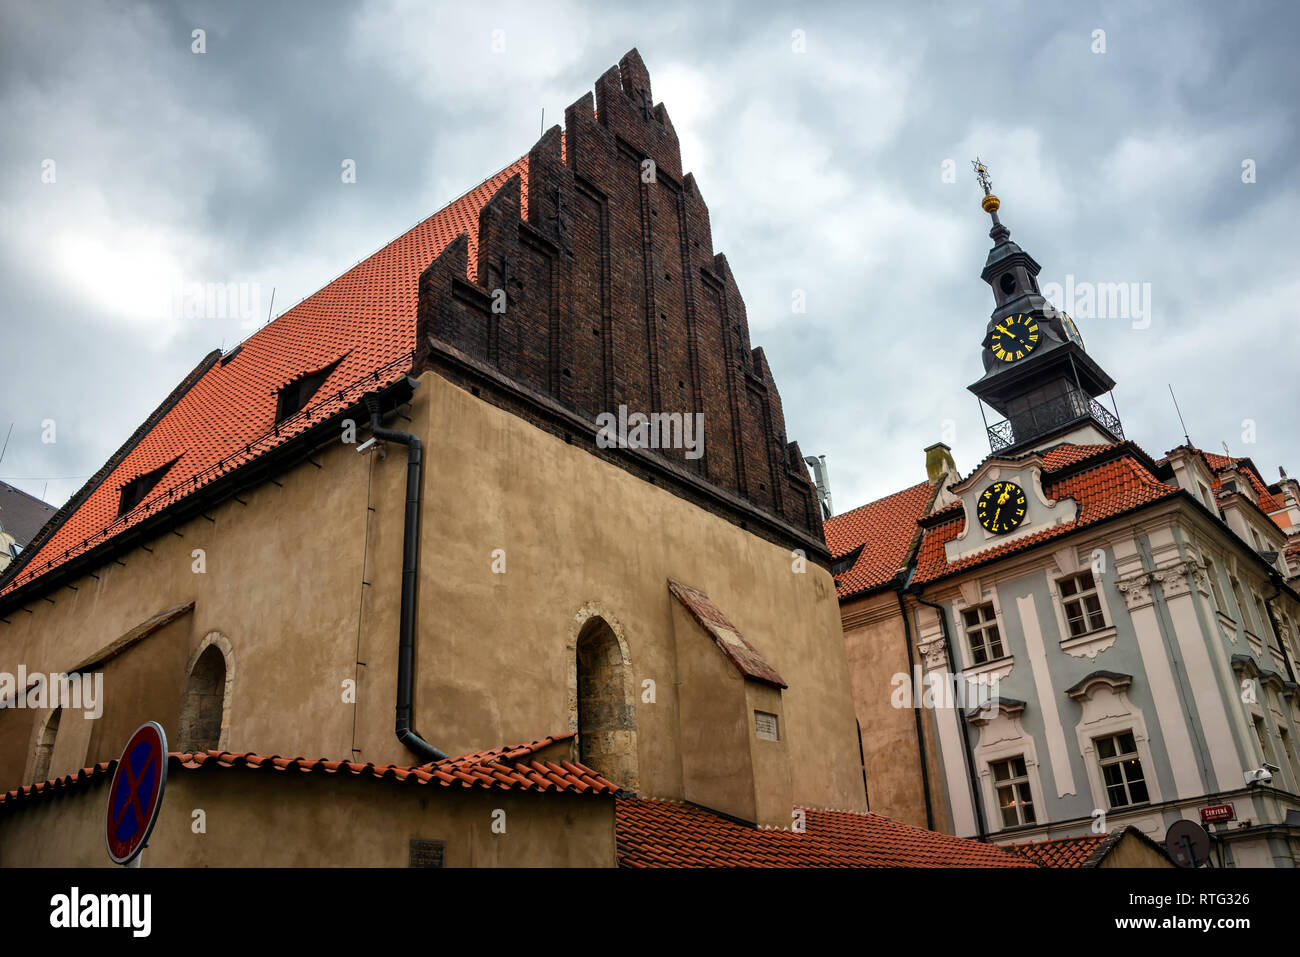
(283, 584)
(261, 818)
(1134, 852)
(876, 646)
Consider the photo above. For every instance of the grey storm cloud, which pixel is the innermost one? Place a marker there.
(823, 171)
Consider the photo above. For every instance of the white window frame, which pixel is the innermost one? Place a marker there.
(1108, 710)
(1014, 782)
(1119, 759)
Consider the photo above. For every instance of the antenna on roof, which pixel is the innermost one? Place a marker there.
(542, 128)
(6, 445)
(271, 306)
(1225, 449)
(1180, 416)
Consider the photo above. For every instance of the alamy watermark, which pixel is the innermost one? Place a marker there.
(83, 691)
(1100, 300)
(658, 430)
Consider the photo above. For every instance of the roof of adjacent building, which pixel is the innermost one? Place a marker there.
(1086, 851)
(505, 769)
(223, 415)
(889, 526)
(1103, 480)
(22, 515)
(674, 834)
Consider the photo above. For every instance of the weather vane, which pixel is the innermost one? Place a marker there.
(982, 172)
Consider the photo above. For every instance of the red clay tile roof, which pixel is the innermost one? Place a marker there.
(671, 834)
(887, 527)
(1086, 851)
(501, 769)
(726, 635)
(1064, 851)
(364, 320)
(1100, 491)
(1218, 463)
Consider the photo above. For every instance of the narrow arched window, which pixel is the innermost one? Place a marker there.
(606, 713)
(45, 746)
(204, 703)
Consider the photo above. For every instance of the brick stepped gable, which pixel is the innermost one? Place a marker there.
(615, 297)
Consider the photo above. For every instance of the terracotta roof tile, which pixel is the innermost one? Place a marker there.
(496, 769)
(1062, 852)
(887, 527)
(1101, 491)
(671, 834)
(364, 320)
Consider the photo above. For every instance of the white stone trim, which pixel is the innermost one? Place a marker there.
(1108, 710)
(1002, 737)
(222, 644)
(1057, 751)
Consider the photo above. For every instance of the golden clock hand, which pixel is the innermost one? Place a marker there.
(995, 516)
(1007, 333)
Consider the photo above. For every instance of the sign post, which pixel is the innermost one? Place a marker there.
(136, 794)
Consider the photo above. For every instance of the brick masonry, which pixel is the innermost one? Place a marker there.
(614, 296)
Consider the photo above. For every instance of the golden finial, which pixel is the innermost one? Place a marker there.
(990, 203)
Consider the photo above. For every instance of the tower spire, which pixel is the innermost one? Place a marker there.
(990, 202)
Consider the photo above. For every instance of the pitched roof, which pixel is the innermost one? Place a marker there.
(672, 834)
(22, 515)
(226, 416)
(1216, 463)
(726, 635)
(1086, 851)
(502, 769)
(1101, 490)
(887, 527)
(1065, 851)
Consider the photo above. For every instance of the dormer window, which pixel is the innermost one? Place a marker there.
(845, 562)
(134, 491)
(293, 398)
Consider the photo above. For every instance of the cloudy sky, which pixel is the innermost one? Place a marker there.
(832, 144)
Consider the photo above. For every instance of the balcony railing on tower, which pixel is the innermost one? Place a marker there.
(1059, 411)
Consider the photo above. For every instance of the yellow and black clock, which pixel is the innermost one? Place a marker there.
(1014, 337)
(1002, 507)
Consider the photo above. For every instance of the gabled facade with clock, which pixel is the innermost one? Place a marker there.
(1120, 631)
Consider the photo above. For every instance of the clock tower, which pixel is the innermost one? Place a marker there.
(1037, 375)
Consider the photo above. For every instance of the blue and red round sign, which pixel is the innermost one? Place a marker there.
(136, 793)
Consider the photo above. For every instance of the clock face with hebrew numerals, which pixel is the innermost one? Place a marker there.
(1002, 507)
(1014, 338)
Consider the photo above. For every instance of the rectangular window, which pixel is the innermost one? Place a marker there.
(765, 726)
(982, 633)
(1121, 770)
(1205, 495)
(1014, 797)
(1082, 606)
(1288, 752)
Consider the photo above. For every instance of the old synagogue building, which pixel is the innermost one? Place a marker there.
(1076, 636)
(399, 593)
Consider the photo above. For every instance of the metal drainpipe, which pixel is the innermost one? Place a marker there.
(916, 706)
(410, 567)
(965, 738)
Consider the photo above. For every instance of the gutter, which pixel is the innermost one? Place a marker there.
(969, 753)
(409, 737)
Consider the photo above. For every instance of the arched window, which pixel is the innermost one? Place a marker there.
(45, 746)
(204, 703)
(606, 710)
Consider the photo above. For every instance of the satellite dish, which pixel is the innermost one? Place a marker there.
(1188, 844)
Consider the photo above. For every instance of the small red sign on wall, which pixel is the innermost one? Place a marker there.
(1219, 812)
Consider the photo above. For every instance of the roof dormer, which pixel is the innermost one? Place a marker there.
(1004, 502)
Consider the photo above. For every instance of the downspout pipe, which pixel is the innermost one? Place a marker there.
(965, 736)
(916, 704)
(406, 734)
